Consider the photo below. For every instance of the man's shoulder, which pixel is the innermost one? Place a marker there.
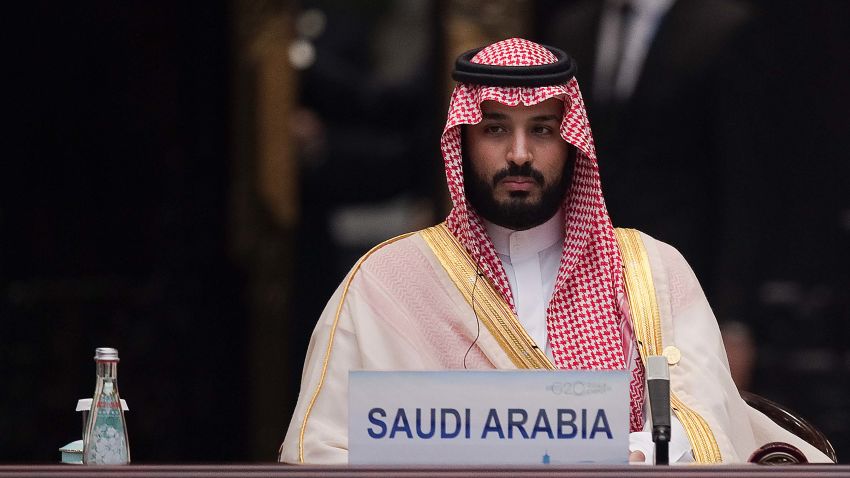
(658, 248)
(390, 246)
(404, 250)
(668, 266)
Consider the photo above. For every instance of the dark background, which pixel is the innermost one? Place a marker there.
(116, 225)
(114, 229)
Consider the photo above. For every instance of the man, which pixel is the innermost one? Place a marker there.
(528, 251)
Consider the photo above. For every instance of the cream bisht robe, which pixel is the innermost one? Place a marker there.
(401, 311)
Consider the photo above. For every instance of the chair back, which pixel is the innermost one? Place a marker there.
(792, 422)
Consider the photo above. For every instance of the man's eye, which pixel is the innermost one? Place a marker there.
(541, 130)
(494, 129)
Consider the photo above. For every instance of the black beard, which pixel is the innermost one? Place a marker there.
(518, 213)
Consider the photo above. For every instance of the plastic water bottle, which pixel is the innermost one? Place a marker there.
(105, 441)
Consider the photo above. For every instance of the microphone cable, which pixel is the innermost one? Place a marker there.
(478, 275)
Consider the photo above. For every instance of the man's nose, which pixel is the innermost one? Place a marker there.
(520, 153)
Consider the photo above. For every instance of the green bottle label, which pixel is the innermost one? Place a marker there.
(107, 444)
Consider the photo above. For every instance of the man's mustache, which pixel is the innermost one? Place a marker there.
(519, 171)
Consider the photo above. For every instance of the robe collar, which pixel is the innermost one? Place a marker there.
(520, 245)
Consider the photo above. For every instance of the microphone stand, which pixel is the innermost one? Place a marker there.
(661, 438)
(658, 387)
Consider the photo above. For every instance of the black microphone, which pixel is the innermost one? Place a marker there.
(658, 386)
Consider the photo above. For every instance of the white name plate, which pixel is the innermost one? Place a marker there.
(488, 417)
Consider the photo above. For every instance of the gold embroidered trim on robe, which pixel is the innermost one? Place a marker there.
(490, 307)
(646, 322)
(327, 357)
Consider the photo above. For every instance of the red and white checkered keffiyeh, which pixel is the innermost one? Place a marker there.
(586, 329)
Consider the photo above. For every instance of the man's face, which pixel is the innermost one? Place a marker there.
(516, 163)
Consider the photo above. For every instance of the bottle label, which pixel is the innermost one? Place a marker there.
(107, 443)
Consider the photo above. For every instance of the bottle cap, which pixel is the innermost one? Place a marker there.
(106, 354)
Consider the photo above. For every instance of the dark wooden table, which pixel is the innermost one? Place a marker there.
(288, 471)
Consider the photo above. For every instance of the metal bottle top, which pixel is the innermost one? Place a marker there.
(106, 354)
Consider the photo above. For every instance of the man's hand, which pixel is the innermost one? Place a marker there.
(637, 457)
